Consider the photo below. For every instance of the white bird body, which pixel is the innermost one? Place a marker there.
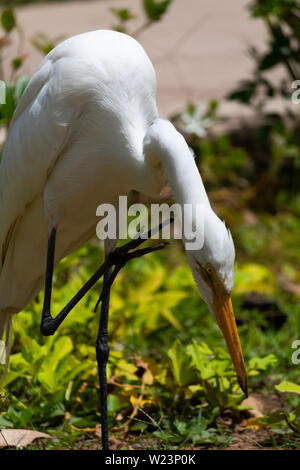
(76, 141)
(86, 131)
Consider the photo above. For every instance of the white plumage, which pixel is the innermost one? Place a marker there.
(76, 141)
(86, 131)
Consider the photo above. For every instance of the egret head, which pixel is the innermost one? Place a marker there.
(213, 270)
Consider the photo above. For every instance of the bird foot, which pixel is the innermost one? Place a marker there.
(120, 256)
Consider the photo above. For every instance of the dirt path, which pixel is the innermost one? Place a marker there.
(198, 49)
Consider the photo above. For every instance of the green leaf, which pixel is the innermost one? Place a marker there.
(290, 387)
(181, 426)
(113, 404)
(49, 374)
(167, 436)
(262, 363)
(256, 278)
(169, 299)
(168, 315)
(269, 60)
(83, 421)
(7, 109)
(155, 9)
(17, 63)
(199, 354)
(181, 367)
(8, 20)
(244, 93)
(21, 84)
(123, 14)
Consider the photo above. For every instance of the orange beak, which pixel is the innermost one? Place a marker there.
(223, 310)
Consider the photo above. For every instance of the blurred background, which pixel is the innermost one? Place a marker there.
(227, 77)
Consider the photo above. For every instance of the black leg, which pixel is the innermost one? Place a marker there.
(49, 324)
(49, 276)
(102, 347)
(118, 258)
(102, 353)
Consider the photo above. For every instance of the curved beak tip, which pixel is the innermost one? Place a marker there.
(243, 385)
(225, 317)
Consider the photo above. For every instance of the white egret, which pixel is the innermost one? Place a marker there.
(87, 130)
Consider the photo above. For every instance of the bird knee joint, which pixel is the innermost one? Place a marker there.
(47, 328)
(102, 348)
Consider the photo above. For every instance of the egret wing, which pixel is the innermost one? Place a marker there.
(39, 132)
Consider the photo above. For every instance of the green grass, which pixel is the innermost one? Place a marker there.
(170, 376)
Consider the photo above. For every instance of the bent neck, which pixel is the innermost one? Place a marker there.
(165, 145)
(166, 148)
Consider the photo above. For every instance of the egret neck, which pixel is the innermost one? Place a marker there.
(171, 160)
(167, 152)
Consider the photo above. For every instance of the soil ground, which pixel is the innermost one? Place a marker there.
(246, 435)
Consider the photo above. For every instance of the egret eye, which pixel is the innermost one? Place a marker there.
(209, 269)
